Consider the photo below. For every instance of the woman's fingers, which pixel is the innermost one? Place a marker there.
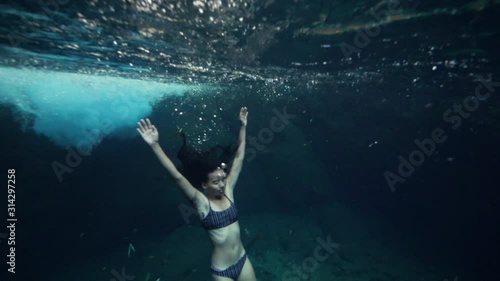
(141, 125)
(145, 126)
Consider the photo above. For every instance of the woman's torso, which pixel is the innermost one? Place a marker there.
(225, 238)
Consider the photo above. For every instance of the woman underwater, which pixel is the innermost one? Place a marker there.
(214, 200)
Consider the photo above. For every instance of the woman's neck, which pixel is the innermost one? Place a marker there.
(216, 196)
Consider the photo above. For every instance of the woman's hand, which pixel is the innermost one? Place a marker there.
(243, 116)
(148, 132)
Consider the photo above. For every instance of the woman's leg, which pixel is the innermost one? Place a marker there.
(247, 273)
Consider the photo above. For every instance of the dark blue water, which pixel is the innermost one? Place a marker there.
(391, 148)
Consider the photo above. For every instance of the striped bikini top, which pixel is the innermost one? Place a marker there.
(220, 219)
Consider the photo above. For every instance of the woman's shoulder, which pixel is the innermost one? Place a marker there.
(202, 204)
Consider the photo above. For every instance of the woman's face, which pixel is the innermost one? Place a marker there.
(216, 181)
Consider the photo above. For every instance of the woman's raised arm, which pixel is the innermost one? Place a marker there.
(240, 153)
(151, 136)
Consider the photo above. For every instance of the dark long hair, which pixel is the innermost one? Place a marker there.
(196, 165)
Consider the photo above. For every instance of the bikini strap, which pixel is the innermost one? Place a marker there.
(228, 198)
